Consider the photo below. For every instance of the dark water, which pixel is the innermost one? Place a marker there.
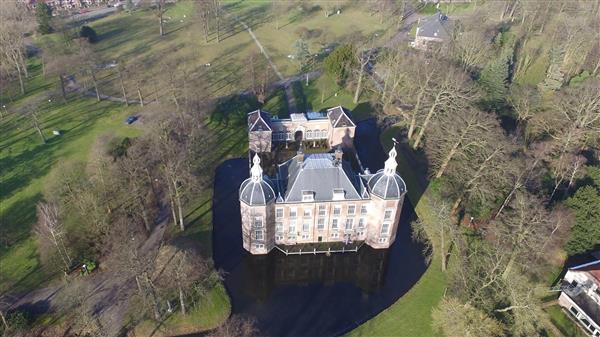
(311, 295)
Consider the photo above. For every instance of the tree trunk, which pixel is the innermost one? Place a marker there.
(4, 322)
(358, 84)
(443, 250)
(456, 205)
(123, 88)
(95, 85)
(426, 122)
(62, 87)
(509, 266)
(218, 25)
(155, 309)
(446, 161)
(181, 301)
(179, 207)
(21, 83)
(36, 125)
(160, 24)
(141, 97)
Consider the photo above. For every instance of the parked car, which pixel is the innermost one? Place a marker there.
(131, 119)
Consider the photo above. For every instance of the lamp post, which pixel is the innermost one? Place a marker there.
(5, 111)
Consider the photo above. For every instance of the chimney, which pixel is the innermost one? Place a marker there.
(338, 155)
(300, 154)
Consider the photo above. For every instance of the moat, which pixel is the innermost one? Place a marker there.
(311, 295)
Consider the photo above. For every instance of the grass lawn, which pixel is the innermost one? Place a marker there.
(26, 164)
(208, 314)
(322, 93)
(563, 323)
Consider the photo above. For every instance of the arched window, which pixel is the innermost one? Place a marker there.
(309, 134)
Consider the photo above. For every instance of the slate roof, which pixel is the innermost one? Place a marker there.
(339, 118)
(318, 173)
(257, 193)
(259, 121)
(435, 26)
(384, 186)
(585, 302)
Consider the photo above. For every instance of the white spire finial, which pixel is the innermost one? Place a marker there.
(256, 171)
(390, 163)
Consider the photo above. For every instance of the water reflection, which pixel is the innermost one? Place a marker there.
(364, 269)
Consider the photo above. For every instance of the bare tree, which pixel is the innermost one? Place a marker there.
(438, 230)
(88, 63)
(454, 136)
(203, 13)
(364, 58)
(216, 9)
(49, 228)
(15, 21)
(456, 319)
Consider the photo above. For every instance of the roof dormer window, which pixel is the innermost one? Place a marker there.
(338, 194)
(308, 196)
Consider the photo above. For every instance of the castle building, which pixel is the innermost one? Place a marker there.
(335, 127)
(320, 198)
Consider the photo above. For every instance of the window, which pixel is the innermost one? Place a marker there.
(258, 222)
(361, 233)
(574, 311)
(361, 223)
(292, 227)
(351, 209)
(258, 235)
(349, 224)
(278, 237)
(385, 229)
(259, 246)
(334, 235)
(337, 210)
(363, 209)
(289, 136)
(382, 240)
(308, 196)
(388, 214)
(321, 223)
(279, 227)
(309, 134)
(334, 224)
(307, 213)
(305, 236)
(292, 213)
(321, 210)
(279, 213)
(305, 227)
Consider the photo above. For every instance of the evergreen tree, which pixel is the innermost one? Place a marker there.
(585, 235)
(43, 13)
(496, 75)
(339, 62)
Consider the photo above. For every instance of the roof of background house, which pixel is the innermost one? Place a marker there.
(339, 118)
(592, 268)
(321, 174)
(259, 120)
(585, 302)
(435, 26)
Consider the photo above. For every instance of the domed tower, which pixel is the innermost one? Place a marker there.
(387, 190)
(257, 197)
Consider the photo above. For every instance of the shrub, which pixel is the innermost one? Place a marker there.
(43, 14)
(88, 33)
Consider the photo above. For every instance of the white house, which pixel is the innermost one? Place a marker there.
(580, 296)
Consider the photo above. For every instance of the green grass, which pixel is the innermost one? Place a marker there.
(560, 319)
(26, 164)
(210, 313)
(308, 98)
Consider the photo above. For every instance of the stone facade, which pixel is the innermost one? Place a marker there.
(335, 127)
(320, 198)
